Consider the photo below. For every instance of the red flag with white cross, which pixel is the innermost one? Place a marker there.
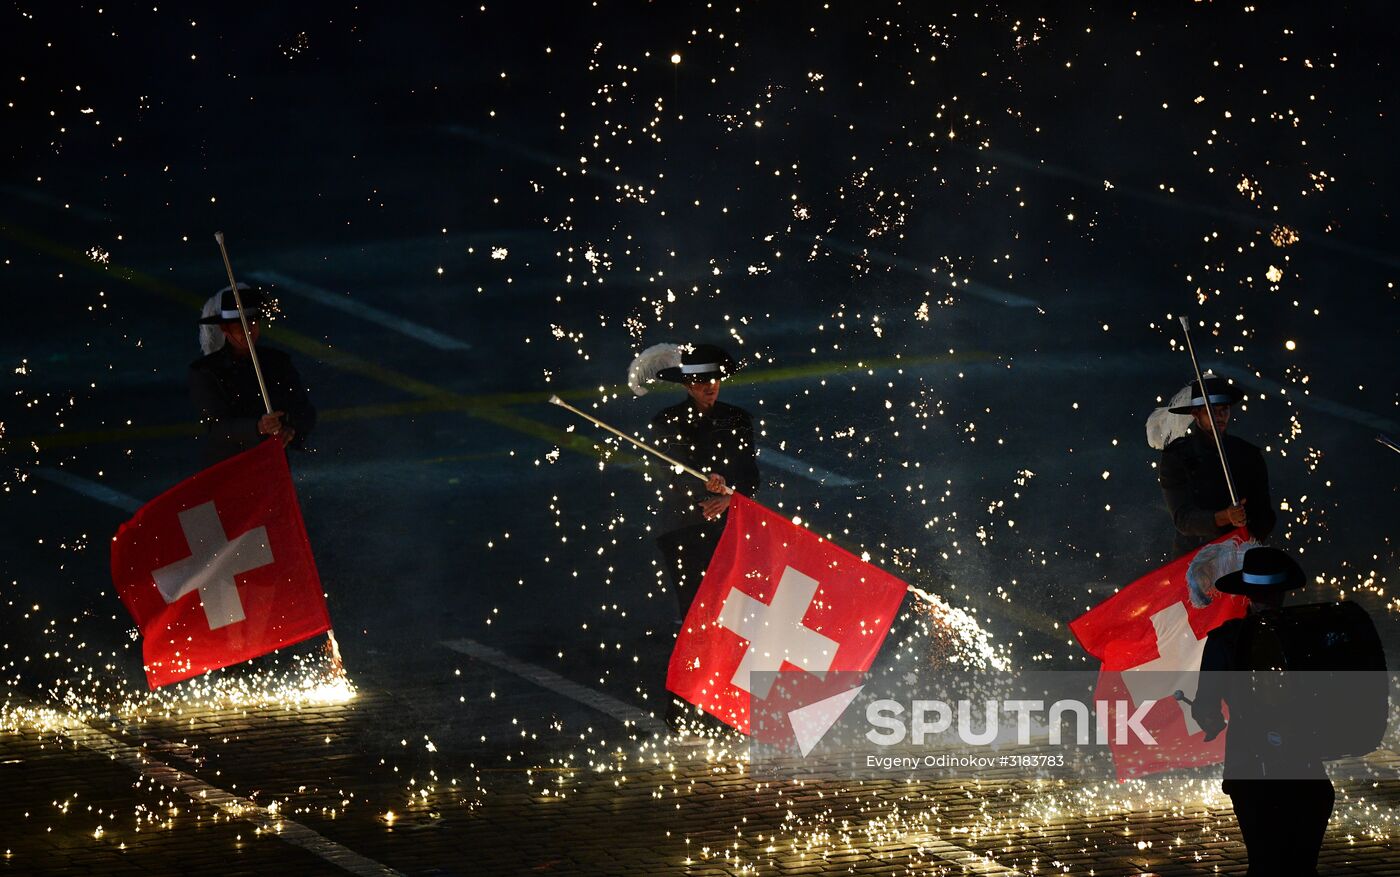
(1150, 636)
(218, 569)
(776, 597)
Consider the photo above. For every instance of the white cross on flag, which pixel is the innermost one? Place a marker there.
(1150, 637)
(776, 597)
(218, 570)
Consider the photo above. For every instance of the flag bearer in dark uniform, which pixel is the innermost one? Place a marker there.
(225, 388)
(712, 437)
(1193, 482)
(1277, 783)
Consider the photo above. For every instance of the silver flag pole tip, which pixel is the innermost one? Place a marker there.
(555, 400)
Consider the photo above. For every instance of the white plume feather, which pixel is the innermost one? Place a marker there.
(1164, 427)
(1212, 562)
(211, 338)
(650, 361)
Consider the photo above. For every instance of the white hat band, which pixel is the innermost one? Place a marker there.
(702, 368)
(1215, 399)
(233, 315)
(1273, 579)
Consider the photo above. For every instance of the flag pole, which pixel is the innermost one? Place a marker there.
(243, 319)
(332, 647)
(555, 400)
(1205, 397)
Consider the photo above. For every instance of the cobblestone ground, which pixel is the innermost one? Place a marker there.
(301, 791)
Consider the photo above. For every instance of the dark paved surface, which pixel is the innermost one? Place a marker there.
(633, 808)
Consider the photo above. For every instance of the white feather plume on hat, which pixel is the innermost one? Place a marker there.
(211, 338)
(1164, 427)
(1211, 563)
(643, 369)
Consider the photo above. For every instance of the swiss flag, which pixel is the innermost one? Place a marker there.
(776, 597)
(218, 569)
(1150, 637)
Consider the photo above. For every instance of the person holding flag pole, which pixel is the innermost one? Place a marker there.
(218, 383)
(770, 596)
(1212, 482)
(699, 436)
(218, 569)
(709, 436)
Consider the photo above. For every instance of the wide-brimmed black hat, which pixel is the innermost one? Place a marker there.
(703, 362)
(253, 300)
(1266, 571)
(1222, 392)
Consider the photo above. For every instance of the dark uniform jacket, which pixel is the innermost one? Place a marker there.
(719, 441)
(225, 392)
(1194, 488)
(1265, 740)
